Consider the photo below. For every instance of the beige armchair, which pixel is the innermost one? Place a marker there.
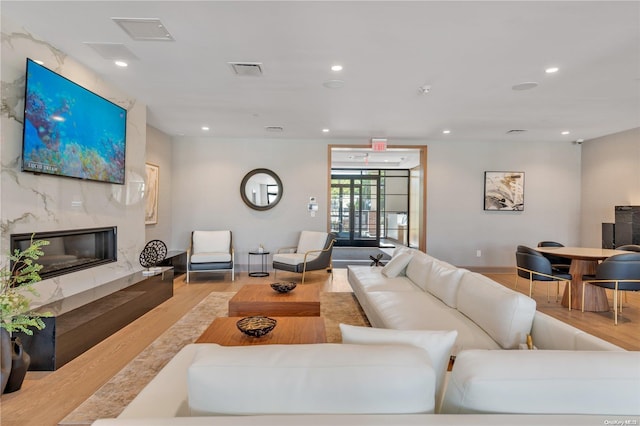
(313, 252)
(210, 251)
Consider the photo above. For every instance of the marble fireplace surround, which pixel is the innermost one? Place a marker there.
(44, 203)
(71, 250)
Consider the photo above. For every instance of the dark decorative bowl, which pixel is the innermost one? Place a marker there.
(283, 287)
(256, 326)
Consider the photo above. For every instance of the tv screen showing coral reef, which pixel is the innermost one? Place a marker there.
(71, 131)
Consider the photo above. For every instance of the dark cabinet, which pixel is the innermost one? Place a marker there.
(627, 229)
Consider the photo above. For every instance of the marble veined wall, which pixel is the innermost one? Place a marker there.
(38, 203)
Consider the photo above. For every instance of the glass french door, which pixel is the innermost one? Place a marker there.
(355, 215)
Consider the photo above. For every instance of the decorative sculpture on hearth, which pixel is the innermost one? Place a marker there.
(152, 254)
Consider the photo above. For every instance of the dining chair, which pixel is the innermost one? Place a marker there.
(629, 247)
(618, 273)
(531, 264)
(560, 263)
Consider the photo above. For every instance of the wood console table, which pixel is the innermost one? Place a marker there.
(85, 319)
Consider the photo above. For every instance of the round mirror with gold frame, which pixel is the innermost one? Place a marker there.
(261, 189)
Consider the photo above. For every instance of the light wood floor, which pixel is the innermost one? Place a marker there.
(47, 397)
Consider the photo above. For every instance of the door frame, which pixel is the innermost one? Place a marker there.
(422, 169)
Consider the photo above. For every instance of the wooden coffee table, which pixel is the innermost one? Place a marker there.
(289, 330)
(260, 299)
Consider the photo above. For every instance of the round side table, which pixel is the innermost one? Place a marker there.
(264, 257)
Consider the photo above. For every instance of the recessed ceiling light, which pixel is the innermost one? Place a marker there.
(551, 70)
(336, 68)
(205, 128)
(446, 131)
(565, 132)
(325, 130)
(122, 64)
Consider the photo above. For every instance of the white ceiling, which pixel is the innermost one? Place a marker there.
(471, 53)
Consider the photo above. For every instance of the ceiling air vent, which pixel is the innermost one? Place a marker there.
(274, 129)
(246, 69)
(515, 131)
(150, 29)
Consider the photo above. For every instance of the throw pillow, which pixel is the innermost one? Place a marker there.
(396, 265)
(437, 344)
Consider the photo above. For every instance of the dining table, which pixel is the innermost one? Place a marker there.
(584, 261)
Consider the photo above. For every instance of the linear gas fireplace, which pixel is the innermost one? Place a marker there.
(72, 250)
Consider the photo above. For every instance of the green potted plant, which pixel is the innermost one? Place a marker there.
(16, 285)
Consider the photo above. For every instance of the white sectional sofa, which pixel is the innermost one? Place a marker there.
(376, 384)
(415, 291)
(423, 310)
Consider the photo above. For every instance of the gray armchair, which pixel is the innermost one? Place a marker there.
(210, 251)
(313, 252)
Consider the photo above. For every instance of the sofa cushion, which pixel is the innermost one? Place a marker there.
(443, 281)
(437, 344)
(419, 268)
(503, 314)
(544, 382)
(421, 311)
(396, 265)
(369, 278)
(319, 379)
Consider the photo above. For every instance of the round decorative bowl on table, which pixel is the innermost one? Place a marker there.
(283, 287)
(256, 326)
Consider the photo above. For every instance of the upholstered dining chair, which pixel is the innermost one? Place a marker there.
(560, 263)
(629, 247)
(531, 264)
(313, 252)
(210, 251)
(618, 273)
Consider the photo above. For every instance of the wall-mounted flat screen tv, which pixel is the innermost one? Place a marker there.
(71, 131)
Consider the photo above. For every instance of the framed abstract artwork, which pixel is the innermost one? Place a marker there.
(504, 191)
(151, 206)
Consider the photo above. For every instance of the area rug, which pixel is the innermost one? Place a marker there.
(113, 396)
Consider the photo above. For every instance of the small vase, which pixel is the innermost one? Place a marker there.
(20, 361)
(5, 358)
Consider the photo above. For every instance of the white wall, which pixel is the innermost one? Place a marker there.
(205, 188)
(458, 225)
(39, 203)
(159, 153)
(207, 174)
(610, 177)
